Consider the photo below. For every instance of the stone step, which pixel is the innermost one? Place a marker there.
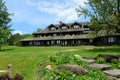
(111, 78)
(100, 66)
(114, 73)
(90, 61)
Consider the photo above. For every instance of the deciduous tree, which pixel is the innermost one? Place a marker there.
(104, 16)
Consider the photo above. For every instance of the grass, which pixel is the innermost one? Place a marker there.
(25, 60)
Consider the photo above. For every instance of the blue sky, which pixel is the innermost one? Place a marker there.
(29, 15)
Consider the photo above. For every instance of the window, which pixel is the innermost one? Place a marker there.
(53, 28)
(111, 39)
(64, 27)
(86, 28)
(75, 26)
(30, 43)
(48, 42)
(58, 41)
(38, 36)
(37, 43)
(54, 34)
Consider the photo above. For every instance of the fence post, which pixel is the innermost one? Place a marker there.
(10, 70)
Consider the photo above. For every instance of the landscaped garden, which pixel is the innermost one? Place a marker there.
(27, 61)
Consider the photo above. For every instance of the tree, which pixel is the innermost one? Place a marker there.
(104, 16)
(4, 22)
(26, 36)
(14, 38)
(39, 30)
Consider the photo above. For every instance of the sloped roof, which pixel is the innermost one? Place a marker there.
(59, 25)
(83, 36)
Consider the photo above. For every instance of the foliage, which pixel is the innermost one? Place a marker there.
(26, 36)
(15, 39)
(60, 58)
(6, 77)
(64, 58)
(104, 16)
(27, 60)
(17, 43)
(62, 74)
(100, 60)
(39, 30)
(116, 63)
(4, 22)
(93, 74)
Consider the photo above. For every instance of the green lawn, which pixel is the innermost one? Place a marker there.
(25, 59)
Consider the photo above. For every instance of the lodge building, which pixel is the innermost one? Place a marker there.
(70, 34)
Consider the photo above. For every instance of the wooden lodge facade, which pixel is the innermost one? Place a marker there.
(71, 34)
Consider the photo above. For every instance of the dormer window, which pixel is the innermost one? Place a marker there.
(53, 28)
(75, 26)
(64, 27)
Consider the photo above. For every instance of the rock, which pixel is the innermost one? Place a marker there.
(90, 61)
(118, 79)
(74, 68)
(111, 78)
(100, 66)
(114, 73)
(109, 57)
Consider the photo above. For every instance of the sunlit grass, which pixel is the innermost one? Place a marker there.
(25, 59)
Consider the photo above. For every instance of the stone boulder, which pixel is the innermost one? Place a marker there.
(109, 57)
(100, 66)
(74, 68)
(114, 73)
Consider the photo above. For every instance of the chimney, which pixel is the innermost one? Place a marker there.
(60, 22)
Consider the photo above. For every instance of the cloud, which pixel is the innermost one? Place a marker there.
(32, 14)
(17, 31)
(64, 10)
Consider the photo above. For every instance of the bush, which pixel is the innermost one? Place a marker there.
(63, 74)
(17, 43)
(100, 60)
(6, 77)
(60, 58)
(116, 63)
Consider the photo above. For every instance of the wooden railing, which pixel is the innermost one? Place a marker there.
(8, 71)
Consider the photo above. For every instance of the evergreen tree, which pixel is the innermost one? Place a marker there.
(4, 22)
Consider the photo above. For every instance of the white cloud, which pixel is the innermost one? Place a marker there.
(39, 13)
(64, 10)
(17, 31)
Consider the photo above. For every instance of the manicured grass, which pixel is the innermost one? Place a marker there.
(25, 60)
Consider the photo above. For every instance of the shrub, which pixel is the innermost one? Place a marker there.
(115, 61)
(100, 60)
(60, 58)
(6, 77)
(17, 43)
(63, 74)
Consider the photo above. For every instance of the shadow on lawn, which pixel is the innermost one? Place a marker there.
(105, 49)
(7, 49)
